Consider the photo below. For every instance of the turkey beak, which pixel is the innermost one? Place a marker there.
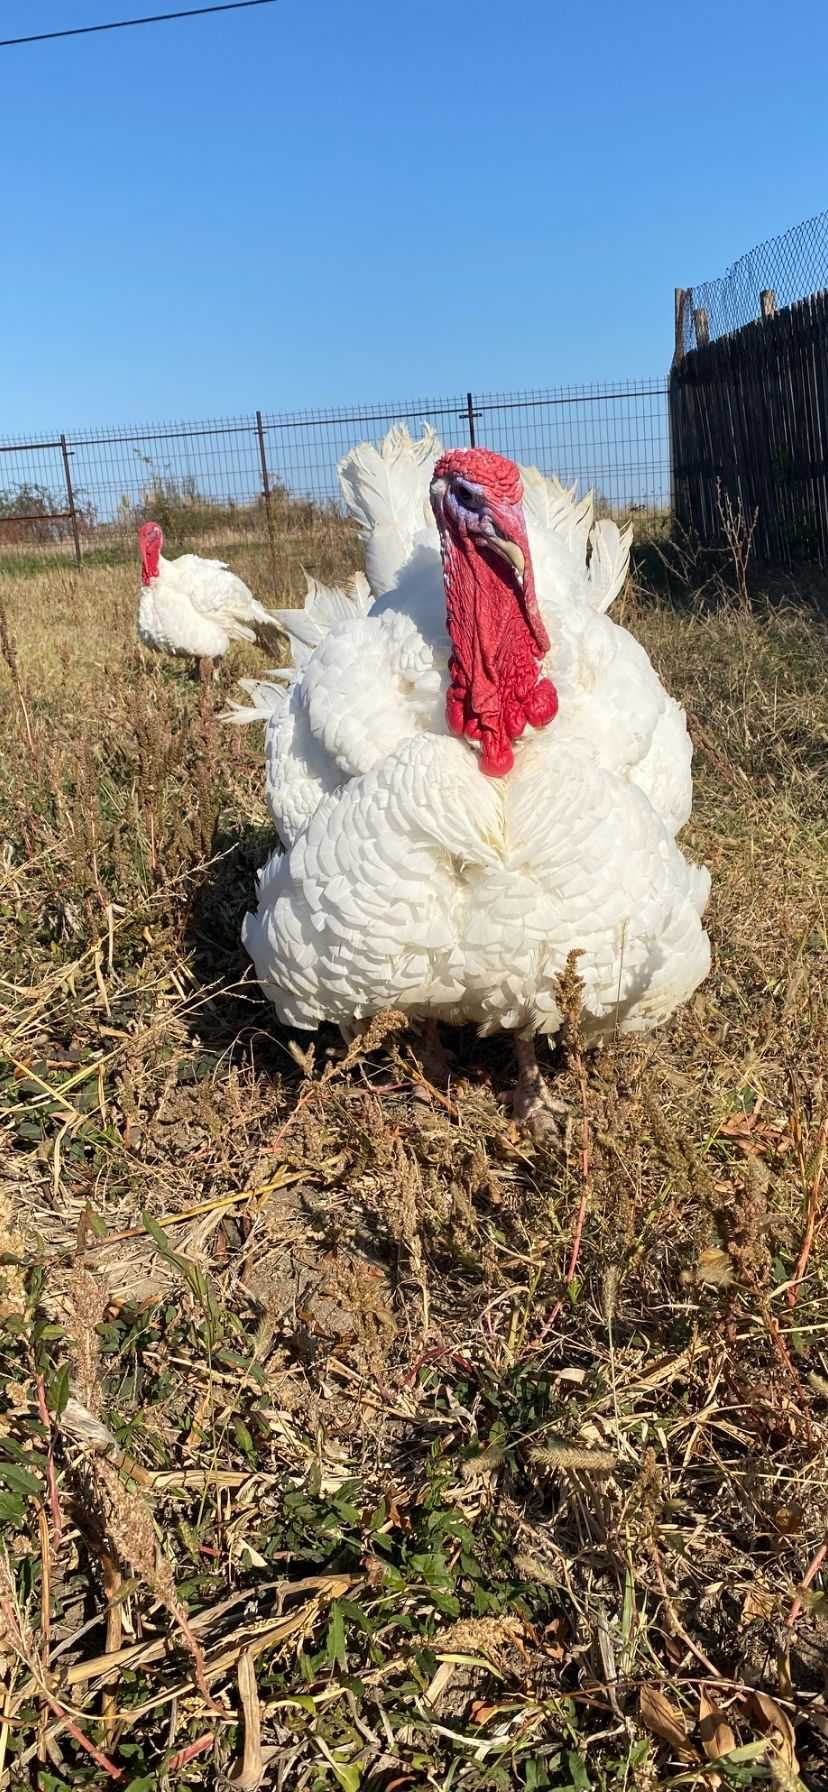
(510, 551)
(493, 536)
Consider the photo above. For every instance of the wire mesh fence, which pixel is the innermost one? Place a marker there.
(83, 492)
(771, 276)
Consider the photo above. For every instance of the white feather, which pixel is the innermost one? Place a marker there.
(609, 561)
(554, 509)
(386, 489)
(268, 699)
(324, 606)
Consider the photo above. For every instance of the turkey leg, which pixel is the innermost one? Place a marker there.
(432, 1053)
(433, 1056)
(532, 1103)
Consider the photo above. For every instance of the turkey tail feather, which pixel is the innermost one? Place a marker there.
(609, 561)
(555, 508)
(267, 699)
(386, 491)
(270, 635)
(323, 608)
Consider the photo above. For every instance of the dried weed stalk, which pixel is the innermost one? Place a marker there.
(128, 1524)
(555, 1457)
(402, 1199)
(8, 650)
(738, 530)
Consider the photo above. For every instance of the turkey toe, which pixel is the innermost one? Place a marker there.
(532, 1104)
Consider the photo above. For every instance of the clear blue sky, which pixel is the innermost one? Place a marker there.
(327, 201)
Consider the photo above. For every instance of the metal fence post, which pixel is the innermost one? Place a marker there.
(470, 415)
(271, 534)
(70, 499)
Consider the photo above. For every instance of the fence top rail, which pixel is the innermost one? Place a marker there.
(36, 516)
(451, 407)
(11, 446)
(656, 389)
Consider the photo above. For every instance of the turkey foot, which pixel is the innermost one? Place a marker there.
(533, 1106)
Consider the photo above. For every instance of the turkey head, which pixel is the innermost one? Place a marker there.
(497, 633)
(150, 542)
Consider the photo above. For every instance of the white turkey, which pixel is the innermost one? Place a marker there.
(193, 606)
(473, 772)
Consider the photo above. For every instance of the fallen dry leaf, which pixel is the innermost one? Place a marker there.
(557, 1639)
(715, 1267)
(772, 1718)
(248, 1773)
(758, 1604)
(665, 1720)
(481, 1712)
(717, 1738)
(439, 1682)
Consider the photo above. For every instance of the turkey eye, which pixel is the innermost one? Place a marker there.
(466, 496)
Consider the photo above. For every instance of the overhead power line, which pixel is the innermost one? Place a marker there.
(156, 18)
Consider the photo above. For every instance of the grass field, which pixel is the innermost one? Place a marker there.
(322, 1462)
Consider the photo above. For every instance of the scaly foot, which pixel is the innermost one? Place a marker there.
(532, 1104)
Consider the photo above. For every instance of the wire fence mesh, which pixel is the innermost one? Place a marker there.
(771, 276)
(88, 491)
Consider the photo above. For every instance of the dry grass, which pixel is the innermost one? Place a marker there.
(322, 1462)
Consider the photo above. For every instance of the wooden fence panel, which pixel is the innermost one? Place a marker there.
(749, 420)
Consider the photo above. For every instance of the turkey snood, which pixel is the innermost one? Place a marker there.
(497, 634)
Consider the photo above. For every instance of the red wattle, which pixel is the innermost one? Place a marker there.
(455, 712)
(496, 761)
(542, 704)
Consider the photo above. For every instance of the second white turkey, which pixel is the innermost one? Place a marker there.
(191, 606)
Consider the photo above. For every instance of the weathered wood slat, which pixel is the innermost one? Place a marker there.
(749, 420)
